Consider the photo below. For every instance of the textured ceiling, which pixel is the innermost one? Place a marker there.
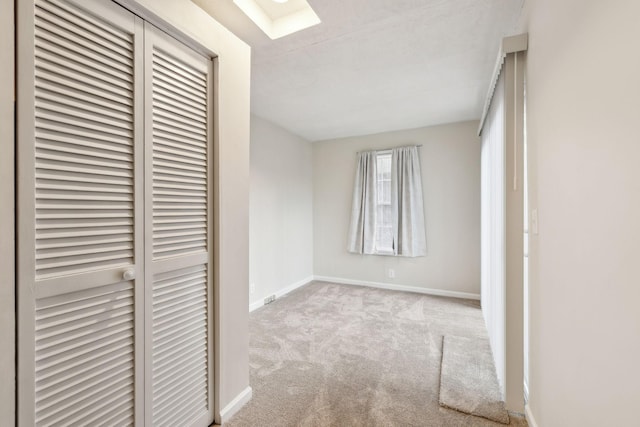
(374, 65)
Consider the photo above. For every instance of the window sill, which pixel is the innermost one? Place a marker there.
(385, 253)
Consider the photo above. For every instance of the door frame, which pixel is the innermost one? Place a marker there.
(7, 213)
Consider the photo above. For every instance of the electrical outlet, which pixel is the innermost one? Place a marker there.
(391, 273)
(269, 299)
(252, 288)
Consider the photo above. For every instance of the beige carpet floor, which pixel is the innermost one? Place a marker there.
(468, 380)
(337, 355)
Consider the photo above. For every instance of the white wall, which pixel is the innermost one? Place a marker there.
(281, 214)
(7, 278)
(583, 115)
(231, 193)
(450, 159)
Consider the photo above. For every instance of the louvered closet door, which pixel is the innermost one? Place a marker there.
(178, 235)
(80, 218)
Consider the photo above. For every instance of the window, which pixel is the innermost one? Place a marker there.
(387, 213)
(384, 213)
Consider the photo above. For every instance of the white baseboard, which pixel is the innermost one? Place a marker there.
(282, 292)
(234, 406)
(394, 287)
(294, 286)
(529, 416)
(256, 305)
(390, 286)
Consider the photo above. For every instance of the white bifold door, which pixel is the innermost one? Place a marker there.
(114, 220)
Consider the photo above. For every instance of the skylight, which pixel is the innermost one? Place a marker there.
(278, 19)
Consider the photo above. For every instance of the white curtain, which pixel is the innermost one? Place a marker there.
(408, 207)
(362, 231)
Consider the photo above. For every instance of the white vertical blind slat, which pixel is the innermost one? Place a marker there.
(493, 230)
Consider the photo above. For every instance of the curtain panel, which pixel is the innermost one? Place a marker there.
(362, 230)
(409, 237)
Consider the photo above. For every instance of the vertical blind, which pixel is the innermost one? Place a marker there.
(493, 231)
(502, 274)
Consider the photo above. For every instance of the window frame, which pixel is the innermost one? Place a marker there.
(379, 250)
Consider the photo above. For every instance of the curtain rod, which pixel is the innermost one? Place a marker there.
(389, 149)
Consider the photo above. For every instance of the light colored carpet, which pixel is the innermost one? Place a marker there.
(337, 355)
(468, 380)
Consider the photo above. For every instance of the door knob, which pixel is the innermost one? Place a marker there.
(129, 274)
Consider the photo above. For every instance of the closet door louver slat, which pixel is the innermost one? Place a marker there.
(169, 237)
(180, 347)
(179, 301)
(72, 339)
(52, 191)
(80, 221)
